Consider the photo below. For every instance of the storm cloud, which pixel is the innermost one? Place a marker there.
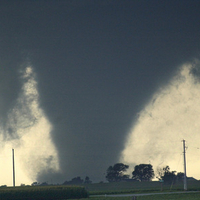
(96, 66)
(171, 115)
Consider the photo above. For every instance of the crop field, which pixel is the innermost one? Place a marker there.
(101, 191)
(43, 192)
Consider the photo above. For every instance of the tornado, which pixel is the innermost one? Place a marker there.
(85, 84)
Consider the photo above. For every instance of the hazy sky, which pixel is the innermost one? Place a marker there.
(76, 74)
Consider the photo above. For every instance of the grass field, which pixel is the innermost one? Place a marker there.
(188, 196)
(138, 187)
(144, 187)
(104, 189)
(43, 193)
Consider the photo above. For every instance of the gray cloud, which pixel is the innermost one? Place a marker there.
(97, 66)
(170, 116)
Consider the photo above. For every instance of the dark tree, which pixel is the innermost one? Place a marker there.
(34, 184)
(44, 184)
(180, 176)
(75, 181)
(143, 172)
(87, 180)
(159, 173)
(166, 175)
(116, 173)
(169, 176)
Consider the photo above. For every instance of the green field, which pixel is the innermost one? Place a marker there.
(91, 191)
(188, 196)
(143, 187)
(138, 187)
(43, 193)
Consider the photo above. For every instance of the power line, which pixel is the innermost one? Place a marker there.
(13, 167)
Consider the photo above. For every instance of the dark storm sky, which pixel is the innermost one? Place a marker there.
(97, 62)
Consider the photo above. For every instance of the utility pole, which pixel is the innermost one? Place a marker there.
(13, 158)
(184, 159)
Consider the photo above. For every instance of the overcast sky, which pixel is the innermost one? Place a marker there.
(97, 63)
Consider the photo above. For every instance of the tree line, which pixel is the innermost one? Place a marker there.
(74, 181)
(117, 172)
(142, 172)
